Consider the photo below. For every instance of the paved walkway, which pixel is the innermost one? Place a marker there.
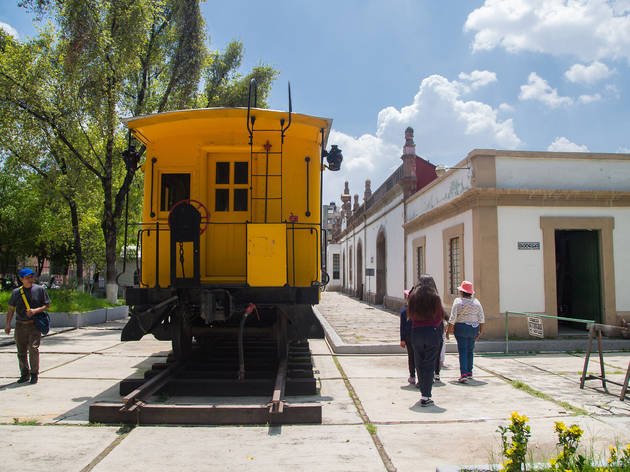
(372, 420)
(353, 326)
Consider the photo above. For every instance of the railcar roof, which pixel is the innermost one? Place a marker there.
(149, 127)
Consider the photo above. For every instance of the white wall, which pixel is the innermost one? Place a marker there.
(563, 173)
(521, 272)
(439, 192)
(434, 249)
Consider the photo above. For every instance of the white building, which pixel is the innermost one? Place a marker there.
(535, 232)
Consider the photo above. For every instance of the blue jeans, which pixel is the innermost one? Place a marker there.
(465, 336)
(426, 349)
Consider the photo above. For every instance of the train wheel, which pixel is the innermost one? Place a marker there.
(181, 335)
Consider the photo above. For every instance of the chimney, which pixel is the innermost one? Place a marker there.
(345, 198)
(409, 180)
(368, 191)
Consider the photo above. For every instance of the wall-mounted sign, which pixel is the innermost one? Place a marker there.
(535, 327)
(369, 272)
(529, 245)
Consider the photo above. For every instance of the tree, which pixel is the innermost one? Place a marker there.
(105, 59)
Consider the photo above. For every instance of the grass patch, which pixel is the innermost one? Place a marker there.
(65, 301)
(26, 422)
(371, 428)
(538, 394)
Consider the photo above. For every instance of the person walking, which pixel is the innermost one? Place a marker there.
(426, 313)
(27, 334)
(466, 322)
(405, 339)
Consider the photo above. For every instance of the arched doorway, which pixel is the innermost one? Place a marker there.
(381, 267)
(360, 270)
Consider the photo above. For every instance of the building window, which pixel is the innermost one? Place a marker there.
(454, 270)
(234, 189)
(454, 265)
(335, 266)
(419, 261)
(350, 266)
(174, 188)
(419, 258)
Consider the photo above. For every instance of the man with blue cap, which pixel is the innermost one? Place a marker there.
(27, 300)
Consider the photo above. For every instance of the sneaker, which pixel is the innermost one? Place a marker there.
(463, 379)
(427, 402)
(33, 378)
(436, 378)
(469, 375)
(411, 380)
(23, 378)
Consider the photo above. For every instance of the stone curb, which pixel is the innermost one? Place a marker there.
(78, 320)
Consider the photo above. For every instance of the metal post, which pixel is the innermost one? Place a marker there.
(506, 331)
(241, 353)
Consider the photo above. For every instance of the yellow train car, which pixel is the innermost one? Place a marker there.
(231, 222)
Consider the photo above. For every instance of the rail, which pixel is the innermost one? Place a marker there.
(535, 315)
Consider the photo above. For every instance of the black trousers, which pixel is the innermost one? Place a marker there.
(426, 348)
(410, 357)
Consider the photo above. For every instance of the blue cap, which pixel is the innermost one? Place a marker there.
(25, 273)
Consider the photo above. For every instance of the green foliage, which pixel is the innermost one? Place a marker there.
(619, 458)
(63, 95)
(568, 440)
(514, 439)
(64, 301)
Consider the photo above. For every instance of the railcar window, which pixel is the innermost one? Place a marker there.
(240, 199)
(223, 173)
(222, 200)
(174, 188)
(240, 173)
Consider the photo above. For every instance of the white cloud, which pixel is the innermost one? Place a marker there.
(537, 88)
(562, 144)
(9, 29)
(446, 128)
(624, 150)
(478, 78)
(590, 98)
(588, 74)
(588, 29)
(506, 108)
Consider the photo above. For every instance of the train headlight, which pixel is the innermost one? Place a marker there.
(334, 158)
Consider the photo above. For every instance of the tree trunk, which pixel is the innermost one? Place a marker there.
(78, 251)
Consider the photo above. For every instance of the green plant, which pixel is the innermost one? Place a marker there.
(26, 422)
(514, 439)
(620, 461)
(568, 439)
(371, 428)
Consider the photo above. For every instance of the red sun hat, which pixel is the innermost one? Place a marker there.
(466, 287)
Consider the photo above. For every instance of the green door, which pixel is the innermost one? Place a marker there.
(578, 274)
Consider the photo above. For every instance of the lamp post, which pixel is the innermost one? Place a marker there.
(441, 169)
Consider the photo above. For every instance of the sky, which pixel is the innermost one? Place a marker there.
(536, 75)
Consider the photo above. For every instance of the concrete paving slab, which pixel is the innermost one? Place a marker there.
(147, 346)
(55, 400)
(100, 366)
(563, 388)
(319, 346)
(421, 447)
(59, 448)
(286, 448)
(386, 400)
(325, 368)
(337, 406)
(9, 363)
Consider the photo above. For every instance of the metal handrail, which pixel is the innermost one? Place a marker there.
(147, 227)
(562, 318)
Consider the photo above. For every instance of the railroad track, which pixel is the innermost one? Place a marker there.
(212, 371)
